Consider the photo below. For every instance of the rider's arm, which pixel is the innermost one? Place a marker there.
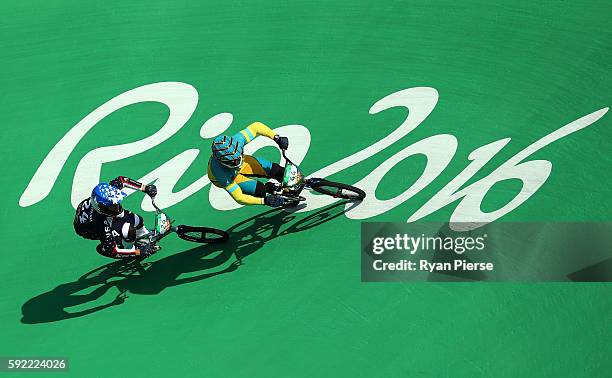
(122, 182)
(255, 129)
(239, 196)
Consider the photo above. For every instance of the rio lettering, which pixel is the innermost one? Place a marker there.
(182, 99)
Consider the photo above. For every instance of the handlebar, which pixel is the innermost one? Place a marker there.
(285, 156)
(154, 205)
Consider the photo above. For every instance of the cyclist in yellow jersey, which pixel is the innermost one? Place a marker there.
(230, 169)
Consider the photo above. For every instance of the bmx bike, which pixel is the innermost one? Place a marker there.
(164, 227)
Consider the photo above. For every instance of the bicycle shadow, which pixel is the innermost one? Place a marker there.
(141, 277)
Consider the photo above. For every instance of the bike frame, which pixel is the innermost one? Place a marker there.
(293, 182)
(156, 234)
(302, 183)
(164, 227)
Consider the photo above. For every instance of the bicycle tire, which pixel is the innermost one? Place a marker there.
(201, 234)
(335, 189)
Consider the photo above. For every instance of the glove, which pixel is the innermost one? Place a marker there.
(283, 142)
(151, 190)
(148, 249)
(117, 183)
(274, 200)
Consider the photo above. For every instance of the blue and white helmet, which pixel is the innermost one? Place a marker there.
(106, 199)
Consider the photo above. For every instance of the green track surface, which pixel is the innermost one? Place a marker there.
(296, 306)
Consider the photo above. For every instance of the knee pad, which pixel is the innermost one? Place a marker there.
(260, 190)
(128, 232)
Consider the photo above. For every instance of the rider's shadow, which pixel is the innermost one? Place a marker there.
(198, 263)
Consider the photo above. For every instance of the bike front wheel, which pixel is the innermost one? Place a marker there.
(337, 190)
(201, 234)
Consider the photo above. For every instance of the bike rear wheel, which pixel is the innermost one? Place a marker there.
(201, 234)
(337, 190)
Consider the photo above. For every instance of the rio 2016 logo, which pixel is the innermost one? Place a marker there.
(182, 99)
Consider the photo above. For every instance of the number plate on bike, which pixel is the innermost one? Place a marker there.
(163, 223)
(292, 176)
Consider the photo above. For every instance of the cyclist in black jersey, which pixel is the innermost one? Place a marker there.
(101, 217)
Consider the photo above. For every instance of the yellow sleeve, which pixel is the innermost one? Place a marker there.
(244, 199)
(255, 129)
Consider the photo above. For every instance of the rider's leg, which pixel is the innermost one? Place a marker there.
(260, 167)
(250, 186)
(130, 224)
(139, 226)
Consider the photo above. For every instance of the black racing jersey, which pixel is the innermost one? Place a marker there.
(110, 231)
